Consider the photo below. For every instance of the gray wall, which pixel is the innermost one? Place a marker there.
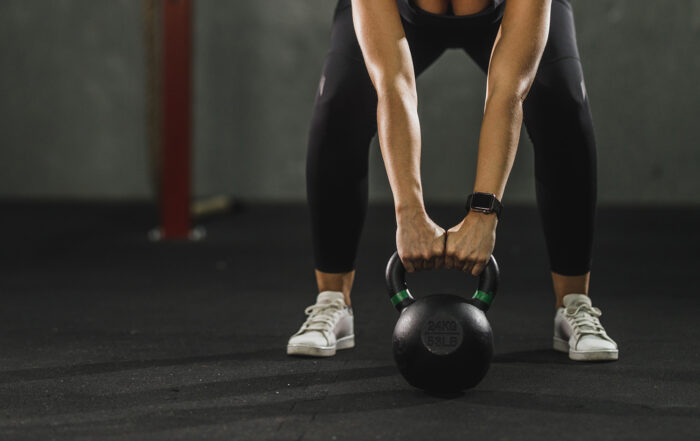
(72, 108)
(71, 99)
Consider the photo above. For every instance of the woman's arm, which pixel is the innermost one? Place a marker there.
(388, 59)
(514, 60)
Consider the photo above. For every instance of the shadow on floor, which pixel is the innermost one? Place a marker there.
(50, 373)
(536, 356)
(149, 419)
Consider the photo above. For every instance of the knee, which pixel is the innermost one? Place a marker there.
(343, 113)
(346, 91)
(557, 112)
(559, 122)
(343, 124)
(338, 146)
(560, 84)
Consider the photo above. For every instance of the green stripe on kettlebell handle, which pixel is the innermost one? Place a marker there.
(400, 297)
(484, 296)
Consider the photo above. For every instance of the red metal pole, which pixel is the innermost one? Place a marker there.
(177, 123)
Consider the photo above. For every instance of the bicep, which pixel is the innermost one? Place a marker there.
(520, 43)
(382, 40)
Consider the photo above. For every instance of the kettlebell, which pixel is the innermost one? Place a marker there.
(442, 342)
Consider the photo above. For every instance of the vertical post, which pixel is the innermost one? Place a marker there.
(176, 121)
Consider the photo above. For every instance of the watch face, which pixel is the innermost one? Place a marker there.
(482, 201)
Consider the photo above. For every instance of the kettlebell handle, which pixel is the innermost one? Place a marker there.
(401, 297)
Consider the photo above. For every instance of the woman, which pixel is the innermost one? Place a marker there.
(528, 50)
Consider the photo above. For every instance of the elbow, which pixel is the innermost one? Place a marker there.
(511, 90)
(396, 87)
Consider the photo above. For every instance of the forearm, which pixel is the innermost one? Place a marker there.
(399, 139)
(388, 59)
(514, 61)
(498, 143)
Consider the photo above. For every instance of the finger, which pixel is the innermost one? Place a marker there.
(449, 262)
(417, 266)
(404, 261)
(458, 263)
(426, 264)
(430, 261)
(477, 269)
(408, 265)
(439, 255)
(467, 266)
(445, 250)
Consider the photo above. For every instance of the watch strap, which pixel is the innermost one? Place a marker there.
(496, 205)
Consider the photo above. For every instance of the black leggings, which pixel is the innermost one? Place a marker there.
(556, 115)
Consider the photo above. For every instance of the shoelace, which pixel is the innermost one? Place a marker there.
(321, 316)
(584, 320)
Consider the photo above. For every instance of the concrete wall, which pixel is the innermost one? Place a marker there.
(71, 99)
(72, 118)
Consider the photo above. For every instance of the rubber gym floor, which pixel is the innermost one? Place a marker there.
(106, 335)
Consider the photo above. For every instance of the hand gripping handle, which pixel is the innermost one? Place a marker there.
(400, 296)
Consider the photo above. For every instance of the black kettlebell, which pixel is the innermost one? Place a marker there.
(442, 342)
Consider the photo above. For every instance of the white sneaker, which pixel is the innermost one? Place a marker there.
(328, 328)
(578, 331)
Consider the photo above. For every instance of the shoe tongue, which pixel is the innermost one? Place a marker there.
(329, 296)
(576, 299)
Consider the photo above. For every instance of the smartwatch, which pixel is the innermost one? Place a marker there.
(484, 203)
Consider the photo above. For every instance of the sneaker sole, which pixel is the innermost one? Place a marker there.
(322, 351)
(562, 345)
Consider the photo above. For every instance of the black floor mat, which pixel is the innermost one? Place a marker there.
(105, 335)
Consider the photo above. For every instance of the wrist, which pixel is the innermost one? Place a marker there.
(406, 212)
(410, 205)
(484, 203)
(483, 217)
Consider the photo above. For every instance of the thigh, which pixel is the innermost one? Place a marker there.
(344, 75)
(344, 116)
(560, 70)
(557, 116)
(424, 43)
(556, 112)
(561, 42)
